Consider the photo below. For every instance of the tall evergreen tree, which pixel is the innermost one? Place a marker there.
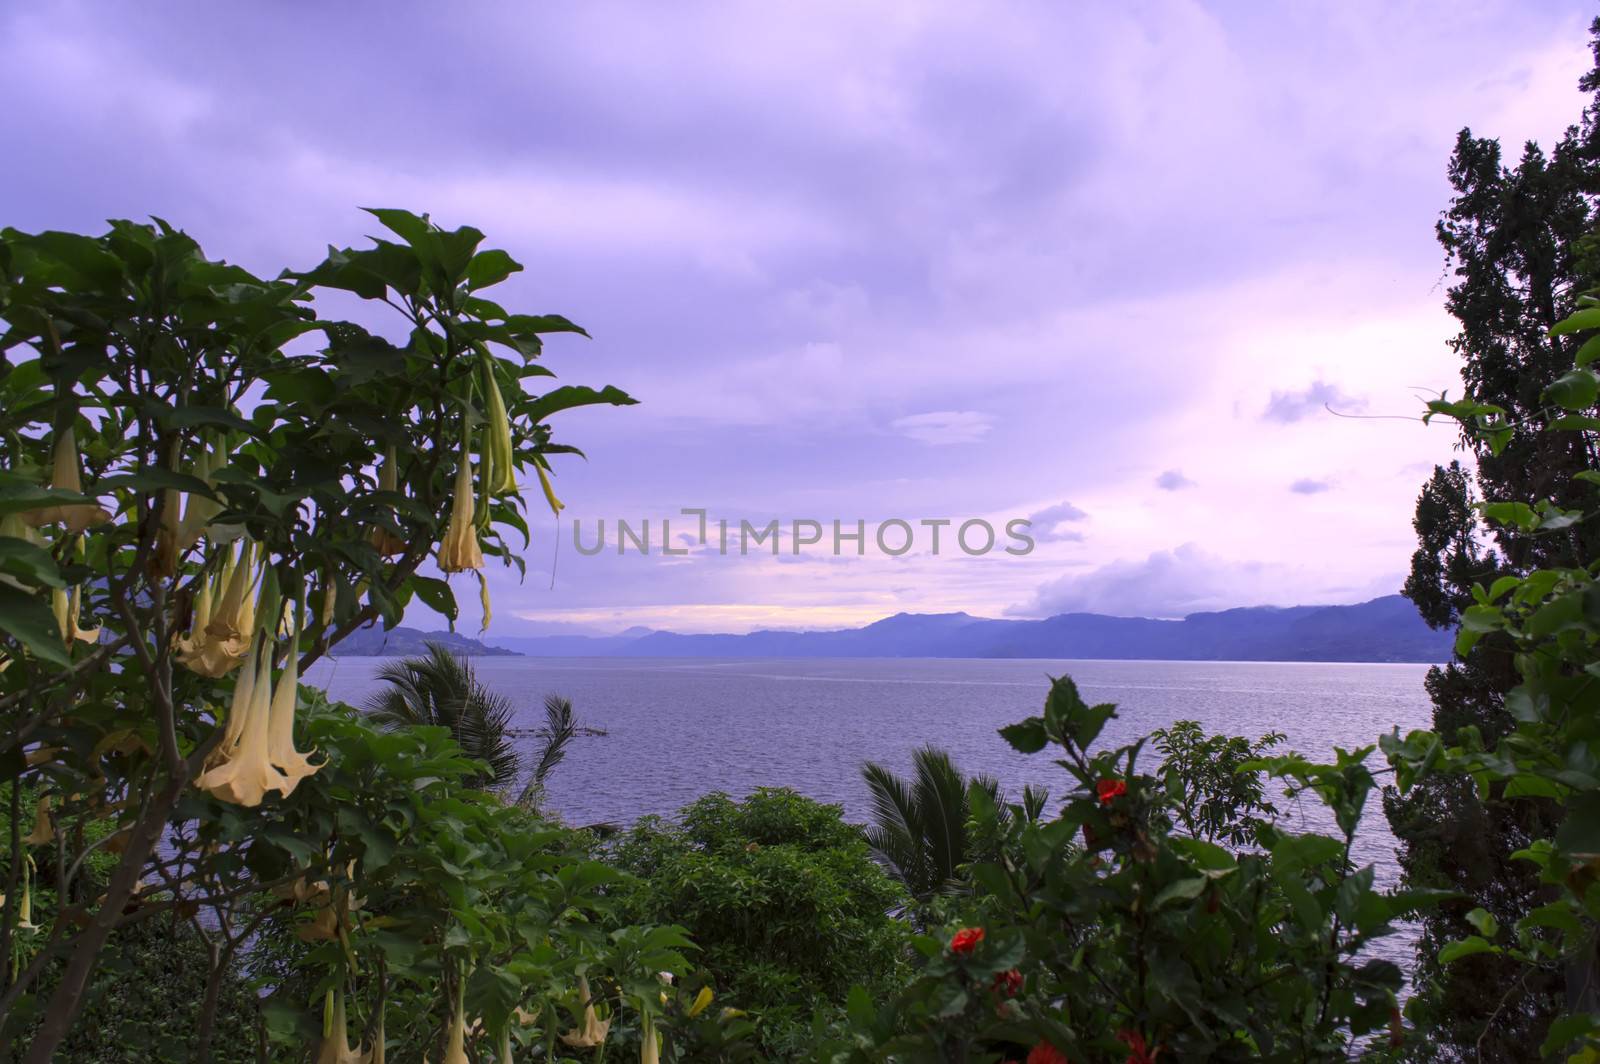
(1519, 241)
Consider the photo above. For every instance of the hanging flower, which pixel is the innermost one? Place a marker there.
(385, 542)
(702, 1001)
(246, 772)
(649, 1042)
(556, 505)
(460, 550)
(455, 1047)
(498, 461)
(594, 1029)
(66, 476)
(219, 645)
(43, 829)
(65, 606)
(199, 510)
(336, 1048)
(1008, 983)
(25, 905)
(483, 600)
(294, 765)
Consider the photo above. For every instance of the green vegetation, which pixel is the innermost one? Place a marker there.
(782, 898)
(443, 690)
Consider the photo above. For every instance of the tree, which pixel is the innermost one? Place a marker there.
(555, 735)
(920, 827)
(1517, 238)
(203, 488)
(442, 689)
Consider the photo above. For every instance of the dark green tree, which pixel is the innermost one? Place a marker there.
(1518, 239)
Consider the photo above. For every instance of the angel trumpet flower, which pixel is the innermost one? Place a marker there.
(460, 550)
(66, 476)
(383, 541)
(594, 1029)
(649, 1043)
(246, 772)
(43, 830)
(222, 643)
(336, 1048)
(455, 1048)
(556, 505)
(65, 607)
(294, 765)
(498, 462)
(198, 510)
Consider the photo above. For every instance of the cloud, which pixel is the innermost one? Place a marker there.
(941, 427)
(1189, 579)
(1048, 521)
(1173, 480)
(1291, 406)
(1308, 486)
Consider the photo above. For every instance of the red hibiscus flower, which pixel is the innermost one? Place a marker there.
(1008, 983)
(1137, 1051)
(1045, 1053)
(1110, 790)
(966, 940)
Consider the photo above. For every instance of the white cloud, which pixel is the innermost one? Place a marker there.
(941, 427)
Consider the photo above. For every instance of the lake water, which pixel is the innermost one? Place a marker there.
(678, 729)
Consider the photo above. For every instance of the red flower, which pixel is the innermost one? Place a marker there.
(1137, 1052)
(1110, 790)
(966, 940)
(1045, 1053)
(1008, 983)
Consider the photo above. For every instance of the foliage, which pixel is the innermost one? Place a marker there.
(555, 735)
(442, 689)
(920, 830)
(780, 895)
(1145, 942)
(1211, 798)
(1517, 237)
(236, 483)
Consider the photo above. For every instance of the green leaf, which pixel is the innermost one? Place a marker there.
(411, 228)
(1028, 737)
(28, 620)
(1576, 389)
(29, 561)
(1182, 890)
(1467, 947)
(490, 268)
(1485, 924)
(571, 395)
(1588, 352)
(1588, 318)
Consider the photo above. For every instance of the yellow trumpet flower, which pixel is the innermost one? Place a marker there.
(66, 476)
(702, 1001)
(336, 1048)
(594, 1029)
(483, 599)
(385, 542)
(246, 772)
(218, 647)
(459, 550)
(294, 765)
(455, 1047)
(556, 505)
(43, 830)
(499, 465)
(25, 905)
(649, 1043)
(198, 510)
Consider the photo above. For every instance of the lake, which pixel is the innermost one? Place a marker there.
(678, 729)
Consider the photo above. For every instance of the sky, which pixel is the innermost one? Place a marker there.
(1118, 269)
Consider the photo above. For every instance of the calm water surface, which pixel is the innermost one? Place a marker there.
(678, 729)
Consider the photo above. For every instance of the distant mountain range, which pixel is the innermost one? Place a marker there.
(1384, 629)
(407, 642)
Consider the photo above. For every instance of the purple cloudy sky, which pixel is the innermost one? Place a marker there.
(1100, 263)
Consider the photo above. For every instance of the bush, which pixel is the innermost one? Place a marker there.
(779, 893)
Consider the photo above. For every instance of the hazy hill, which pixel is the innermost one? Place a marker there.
(406, 642)
(1384, 629)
